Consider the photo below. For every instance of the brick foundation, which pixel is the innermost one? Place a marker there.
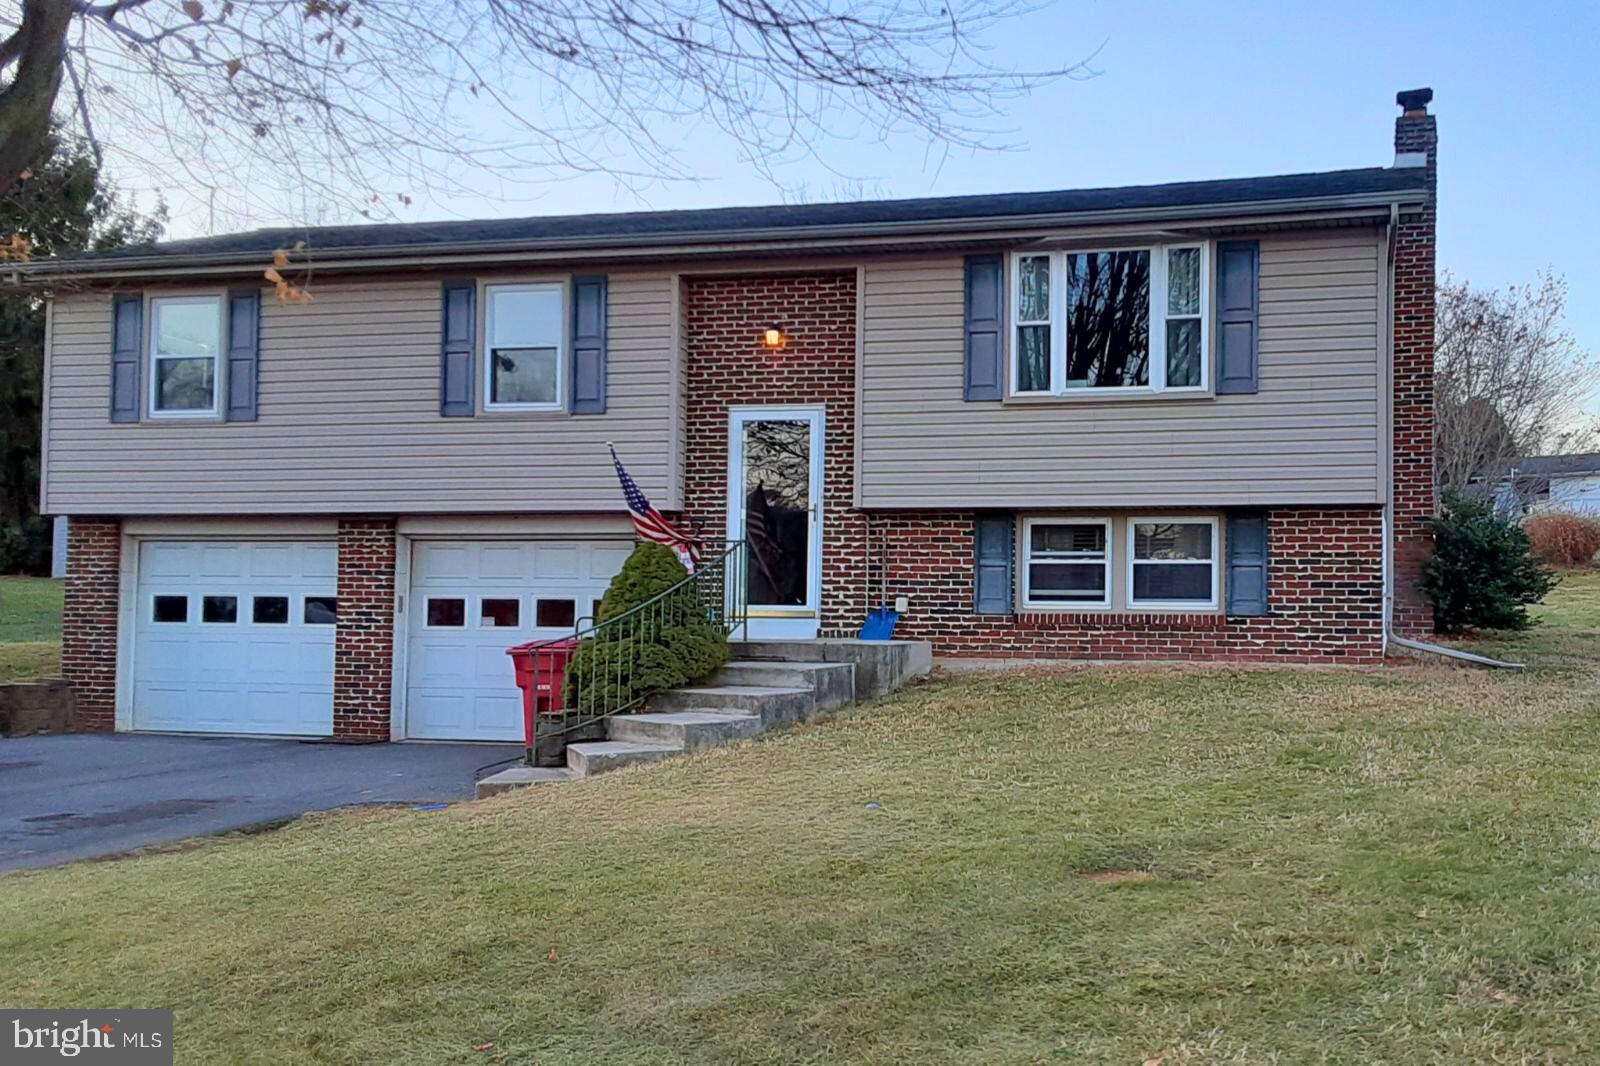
(1325, 588)
(1414, 309)
(363, 655)
(89, 619)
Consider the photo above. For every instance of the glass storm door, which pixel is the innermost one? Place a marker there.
(775, 507)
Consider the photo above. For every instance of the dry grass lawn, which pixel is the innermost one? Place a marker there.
(1095, 865)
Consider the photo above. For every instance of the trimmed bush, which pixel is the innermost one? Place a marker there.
(670, 644)
(1483, 573)
(1562, 538)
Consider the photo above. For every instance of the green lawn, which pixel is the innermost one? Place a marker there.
(1574, 603)
(1094, 865)
(30, 627)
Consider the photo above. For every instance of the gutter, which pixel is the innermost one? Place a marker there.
(722, 241)
(1389, 635)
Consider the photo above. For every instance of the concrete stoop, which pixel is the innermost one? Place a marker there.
(768, 684)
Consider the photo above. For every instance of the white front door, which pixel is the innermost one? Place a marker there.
(775, 507)
(470, 601)
(235, 637)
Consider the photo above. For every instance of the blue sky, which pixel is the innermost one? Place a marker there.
(1200, 91)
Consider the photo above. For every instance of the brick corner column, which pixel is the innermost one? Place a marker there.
(1415, 131)
(363, 650)
(89, 619)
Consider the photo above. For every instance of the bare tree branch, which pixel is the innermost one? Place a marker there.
(1509, 382)
(363, 106)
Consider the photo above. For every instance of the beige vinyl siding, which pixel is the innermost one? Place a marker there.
(1311, 435)
(349, 418)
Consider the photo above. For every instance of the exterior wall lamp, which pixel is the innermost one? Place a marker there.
(774, 337)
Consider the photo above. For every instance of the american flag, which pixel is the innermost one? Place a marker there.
(648, 522)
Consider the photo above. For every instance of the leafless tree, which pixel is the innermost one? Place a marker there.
(362, 105)
(1509, 380)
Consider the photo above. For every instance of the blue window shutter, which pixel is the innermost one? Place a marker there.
(127, 344)
(1247, 563)
(985, 316)
(1238, 316)
(996, 548)
(244, 344)
(456, 360)
(589, 345)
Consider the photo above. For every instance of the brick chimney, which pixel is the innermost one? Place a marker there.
(1416, 144)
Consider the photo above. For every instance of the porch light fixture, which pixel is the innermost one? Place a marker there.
(774, 337)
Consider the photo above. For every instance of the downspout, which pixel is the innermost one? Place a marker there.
(1389, 635)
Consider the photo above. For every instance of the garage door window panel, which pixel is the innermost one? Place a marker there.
(445, 612)
(171, 610)
(500, 613)
(321, 611)
(556, 614)
(219, 610)
(269, 610)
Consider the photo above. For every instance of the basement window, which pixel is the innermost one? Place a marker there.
(1066, 563)
(1172, 563)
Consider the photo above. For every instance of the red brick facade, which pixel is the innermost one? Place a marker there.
(89, 619)
(1414, 131)
(1325, 585)
(363, 653)
(727, 366)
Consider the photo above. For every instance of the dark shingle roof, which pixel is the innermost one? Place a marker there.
(661, 225)
(1548, 465)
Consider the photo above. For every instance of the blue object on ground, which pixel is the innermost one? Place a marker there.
(430, 806)
(879, 625)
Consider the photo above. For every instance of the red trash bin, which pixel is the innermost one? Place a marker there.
(541, 668)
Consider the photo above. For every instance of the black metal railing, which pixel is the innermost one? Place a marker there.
(605, 667)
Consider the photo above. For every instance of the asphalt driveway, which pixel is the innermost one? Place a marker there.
(79, 796)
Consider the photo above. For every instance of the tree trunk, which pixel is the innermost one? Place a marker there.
(25, 104)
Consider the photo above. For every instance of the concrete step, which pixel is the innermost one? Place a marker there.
(686, 730)
(775, 704)
(834, 684)
(881, 665)
(598, 756)
(521, 777)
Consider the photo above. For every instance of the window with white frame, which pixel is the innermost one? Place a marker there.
(1172, 562)
(1124, 320)
(524, 337)
(185, 355)
(1066, 563)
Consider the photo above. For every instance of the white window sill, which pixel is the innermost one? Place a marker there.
(521, 411)
(1091, 396)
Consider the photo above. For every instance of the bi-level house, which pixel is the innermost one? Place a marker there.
(1179, 421)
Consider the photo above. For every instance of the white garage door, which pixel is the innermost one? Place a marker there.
(470, 601)
(235, 637)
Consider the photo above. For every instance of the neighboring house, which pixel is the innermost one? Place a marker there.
(1188, 421)
(1562, 482)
